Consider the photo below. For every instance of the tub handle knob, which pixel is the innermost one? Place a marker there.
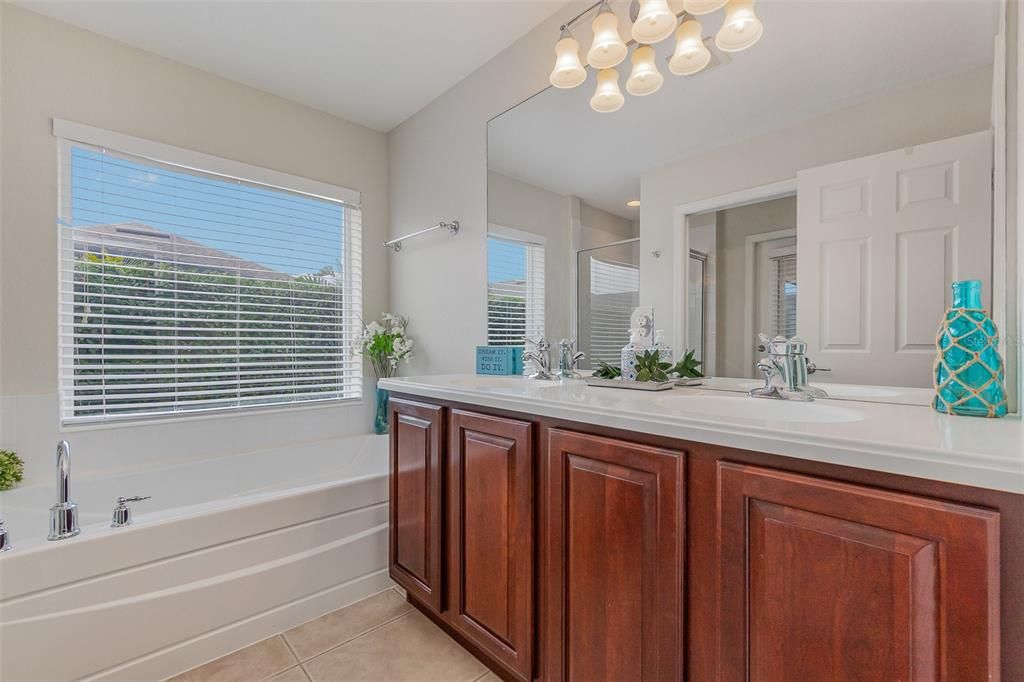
(123, 513)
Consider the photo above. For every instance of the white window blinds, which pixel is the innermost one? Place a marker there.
(515, 291)
(184, 291)
(614, 293)
(785, 295)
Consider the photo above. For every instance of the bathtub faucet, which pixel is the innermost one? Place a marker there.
(64, 514)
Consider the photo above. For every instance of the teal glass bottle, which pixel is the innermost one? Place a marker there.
(969, 377)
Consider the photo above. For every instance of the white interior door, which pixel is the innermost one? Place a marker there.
(879, 240)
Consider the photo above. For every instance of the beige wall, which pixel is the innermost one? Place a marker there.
(599, 227)
(734, 225)
(53, 70)
(955, 105)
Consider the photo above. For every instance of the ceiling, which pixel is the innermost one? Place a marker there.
(815, 57)
(374, 62)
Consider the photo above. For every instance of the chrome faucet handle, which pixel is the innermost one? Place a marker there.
(123, 513)
(812, 368)
(5, 538)
(568, 361)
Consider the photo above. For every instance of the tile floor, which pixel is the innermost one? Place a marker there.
(381, 638)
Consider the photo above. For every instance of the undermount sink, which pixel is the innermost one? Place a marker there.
(509, 385)
(766, 409)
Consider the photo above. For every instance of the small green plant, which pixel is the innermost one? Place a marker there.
(606, 371)
(11, 469)
(687, 367)
(649, 366)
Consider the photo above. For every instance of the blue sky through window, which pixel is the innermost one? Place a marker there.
(287, 232)
(505, 261)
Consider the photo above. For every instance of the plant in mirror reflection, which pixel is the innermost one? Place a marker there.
(386, 343)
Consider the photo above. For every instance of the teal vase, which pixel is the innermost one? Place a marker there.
(969, 378)
(380, 422)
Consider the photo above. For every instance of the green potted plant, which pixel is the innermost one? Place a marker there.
(385, 343)
(11, 469)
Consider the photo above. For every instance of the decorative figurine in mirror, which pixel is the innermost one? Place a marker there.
(642, 320)
(969, 377)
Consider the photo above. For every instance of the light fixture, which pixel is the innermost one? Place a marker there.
(691, 55)
(607, 98)
(568, 71)
(741, 28)
(654, 23)
(633, 203)
(645, 78)
(703, 6)
(608, 49)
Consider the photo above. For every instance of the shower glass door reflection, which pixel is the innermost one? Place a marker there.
(608, 289)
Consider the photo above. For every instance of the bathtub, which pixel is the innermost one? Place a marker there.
(227, 552)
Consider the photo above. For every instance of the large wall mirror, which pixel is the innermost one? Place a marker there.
(830, 183)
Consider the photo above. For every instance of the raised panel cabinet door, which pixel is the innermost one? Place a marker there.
(821, 580)
(417, 525)
(613, 515)
(490, 503)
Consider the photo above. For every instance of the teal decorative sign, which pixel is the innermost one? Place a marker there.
(501, 360)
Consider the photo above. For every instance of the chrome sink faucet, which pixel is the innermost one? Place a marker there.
(541, 356)
(64, 514)
(785, 371)
(568, 359)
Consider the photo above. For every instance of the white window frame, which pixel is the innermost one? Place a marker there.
(529, 239)
(67, 133)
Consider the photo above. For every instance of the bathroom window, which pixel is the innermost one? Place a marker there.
(784, 271)
(515, 290)
(186, 289)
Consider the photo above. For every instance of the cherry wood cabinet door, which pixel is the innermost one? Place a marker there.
(820, 580)
(613, 525)
(490, 536)
(416, 533)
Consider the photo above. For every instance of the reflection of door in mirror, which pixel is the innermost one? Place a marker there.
(882, 238)
(697, 328)
(608, 287)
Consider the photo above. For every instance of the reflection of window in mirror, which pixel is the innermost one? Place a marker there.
(515, 291)
(609, 289)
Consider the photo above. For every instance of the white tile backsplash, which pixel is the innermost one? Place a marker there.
(30, 425)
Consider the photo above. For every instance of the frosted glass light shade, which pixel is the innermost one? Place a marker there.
(654, 23)
(741, 28)
(691, 55)
(703, 6)
(607, 98)
(608, 49)
(568, 71)
(645, 78)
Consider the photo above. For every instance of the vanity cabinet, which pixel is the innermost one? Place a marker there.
(824, 580)
(416, 552)
(491, 466)
(555, 551)
(613, 559)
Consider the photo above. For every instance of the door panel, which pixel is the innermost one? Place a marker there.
(416, 492)
(879, 241)
(613, 559)
(825, 580)
(491, 478)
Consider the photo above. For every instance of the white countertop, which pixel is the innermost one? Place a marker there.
(900, 439)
